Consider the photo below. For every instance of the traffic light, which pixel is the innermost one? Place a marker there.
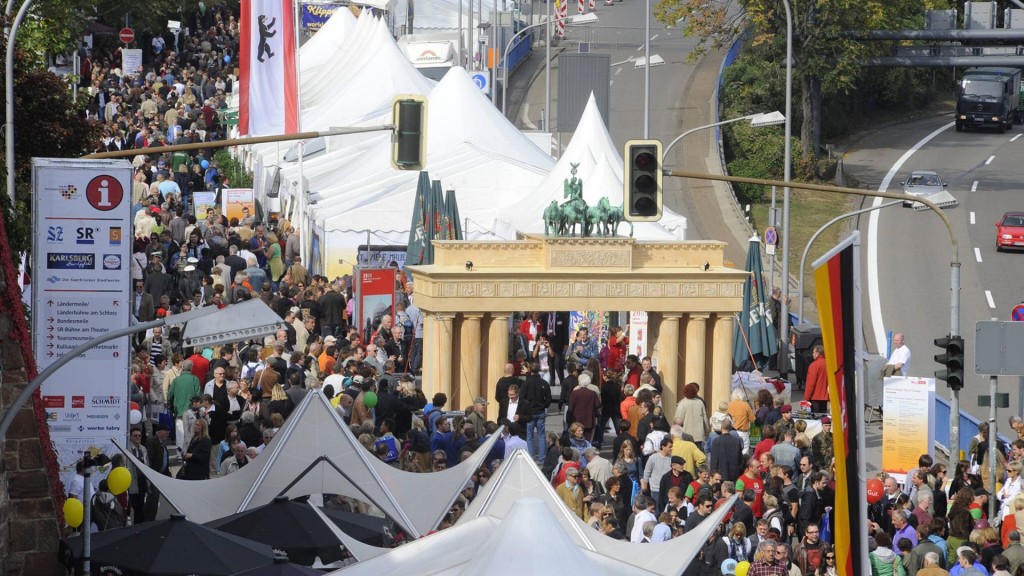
(642, 181)
(409, 140)
(952, 359)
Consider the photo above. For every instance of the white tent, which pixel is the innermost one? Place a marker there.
(518, 478)
(528, 540)
(316, 453)
(599, 165)
(320, 50)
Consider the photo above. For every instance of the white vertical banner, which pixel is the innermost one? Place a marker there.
(907, 430)
(268, 100)
(81, 251)
(131, 61)
(638, 333)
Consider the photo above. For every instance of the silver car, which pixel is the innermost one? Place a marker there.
(923, 183)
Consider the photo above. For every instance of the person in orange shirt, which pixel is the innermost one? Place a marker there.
(326, 358)
(742, 416)
(629, 402)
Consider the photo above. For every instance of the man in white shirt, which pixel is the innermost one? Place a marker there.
(642, 514)
(899, 360)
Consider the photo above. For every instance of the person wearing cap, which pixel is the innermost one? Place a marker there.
(821, 445)
(786, 422)
(1014, 551)
(477, 415)
(676, 477)
(572, 494)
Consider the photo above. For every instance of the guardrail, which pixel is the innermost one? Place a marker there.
(968, 428)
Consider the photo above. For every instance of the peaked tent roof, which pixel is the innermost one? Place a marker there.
(518, 477)
(467, 550)
(600, 167)
(324, 46)
(316, 453)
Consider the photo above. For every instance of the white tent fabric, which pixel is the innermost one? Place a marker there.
(518, 477)
(316, 453)
(527, 541)
(325, 45)
(599, 165)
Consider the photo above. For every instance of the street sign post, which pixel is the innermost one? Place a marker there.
(126, 35)
(1017, 314)
(771, 240)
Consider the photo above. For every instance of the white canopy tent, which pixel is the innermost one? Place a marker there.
(316, 453)
(518, 477)
(599, 165)
(320, 50)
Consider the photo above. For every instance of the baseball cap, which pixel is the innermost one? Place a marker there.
(980, 491)
(480, 400)
(330, 340)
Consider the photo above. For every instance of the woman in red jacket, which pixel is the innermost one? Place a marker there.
(817, 382)
(618, 343)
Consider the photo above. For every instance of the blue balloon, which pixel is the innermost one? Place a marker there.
(227, 59)
(729, 566)
(205, 164)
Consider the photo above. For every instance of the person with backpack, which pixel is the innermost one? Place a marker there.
(433, 411)
(107, 513)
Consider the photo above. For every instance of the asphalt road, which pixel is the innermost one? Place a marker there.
(984, 172)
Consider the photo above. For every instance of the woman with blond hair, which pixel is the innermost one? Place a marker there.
(197, 455)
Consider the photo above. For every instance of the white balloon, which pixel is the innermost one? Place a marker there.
(135, 417)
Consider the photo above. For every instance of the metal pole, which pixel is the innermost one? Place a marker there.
(771, 258)
(493, 49)
(9, 89)
(303, 239)
(954, 330)
(87, 514)
(647, 70)
(462, 55)
(807, 247)
(547, 68)
(783, 362)
(472, 46)
(504, 58)
(705, 127)
(993, 389)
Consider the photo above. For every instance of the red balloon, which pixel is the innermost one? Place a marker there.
(134, 405)
(875, 490)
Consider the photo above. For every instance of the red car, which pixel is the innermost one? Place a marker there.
(1010, 232)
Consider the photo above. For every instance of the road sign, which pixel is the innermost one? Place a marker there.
(480, 80)
(771, 237)
(1017, 315)
(997, 347)
(126, 35)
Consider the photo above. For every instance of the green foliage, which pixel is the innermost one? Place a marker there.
(233, 170)
(46, 124)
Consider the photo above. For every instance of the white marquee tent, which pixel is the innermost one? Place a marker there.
(316, 453)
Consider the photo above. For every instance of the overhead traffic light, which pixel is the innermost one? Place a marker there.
(642, 199)
(409, 140)
(952, 359)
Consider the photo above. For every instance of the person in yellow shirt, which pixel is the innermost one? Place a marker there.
(742, 416)
(686, 450)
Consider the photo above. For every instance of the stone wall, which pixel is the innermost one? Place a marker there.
(29, 532)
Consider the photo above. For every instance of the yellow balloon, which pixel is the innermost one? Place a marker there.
(73, 512)
(742, 568)
(119, 480)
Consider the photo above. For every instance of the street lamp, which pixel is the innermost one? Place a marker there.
(787, 176)
(756, 120)
(547, 65)
(12, 33)
(807, 248)
(204, 326)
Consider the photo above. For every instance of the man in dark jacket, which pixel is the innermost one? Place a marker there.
(727, 453)
(332, 305)
(536, 392)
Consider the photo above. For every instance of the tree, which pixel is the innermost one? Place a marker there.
(825, 62)
(46, 124)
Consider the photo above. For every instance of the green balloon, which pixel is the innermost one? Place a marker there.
(370, 399)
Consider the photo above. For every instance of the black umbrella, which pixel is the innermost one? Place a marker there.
(367, 529)
(173, 547)
(291, 526)
(281, 567)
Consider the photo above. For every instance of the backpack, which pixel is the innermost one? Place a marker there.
(107, 512)
(428, 421)
(249, 371)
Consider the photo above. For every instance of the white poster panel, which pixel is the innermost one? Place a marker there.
(907, 430)
(80, 254)
(638, 333)
(131, 60)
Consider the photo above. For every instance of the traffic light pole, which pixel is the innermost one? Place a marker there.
(954, 264)
(993, 389)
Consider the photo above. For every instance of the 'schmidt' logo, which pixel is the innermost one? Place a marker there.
(105, 402)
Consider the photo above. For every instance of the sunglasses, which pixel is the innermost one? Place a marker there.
(830, 557)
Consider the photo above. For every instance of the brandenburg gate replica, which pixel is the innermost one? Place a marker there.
(468, 295)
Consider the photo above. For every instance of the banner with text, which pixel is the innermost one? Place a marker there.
(82, 211)
(906, 425)
(314, 16)
(131, 61)
(375, 297)
(235, 200)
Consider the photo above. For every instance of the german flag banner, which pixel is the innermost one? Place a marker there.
(836, 278)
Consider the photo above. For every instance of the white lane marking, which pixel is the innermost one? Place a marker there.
(988, 296)
(617, 71)
(610, 82)
(874, 294)
(977, 254)
(525, 116)
(972, 217)
(994, 319)
(640, 47)
(1014, 139)
(655, 37)
(974, 187)
(989, 161)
